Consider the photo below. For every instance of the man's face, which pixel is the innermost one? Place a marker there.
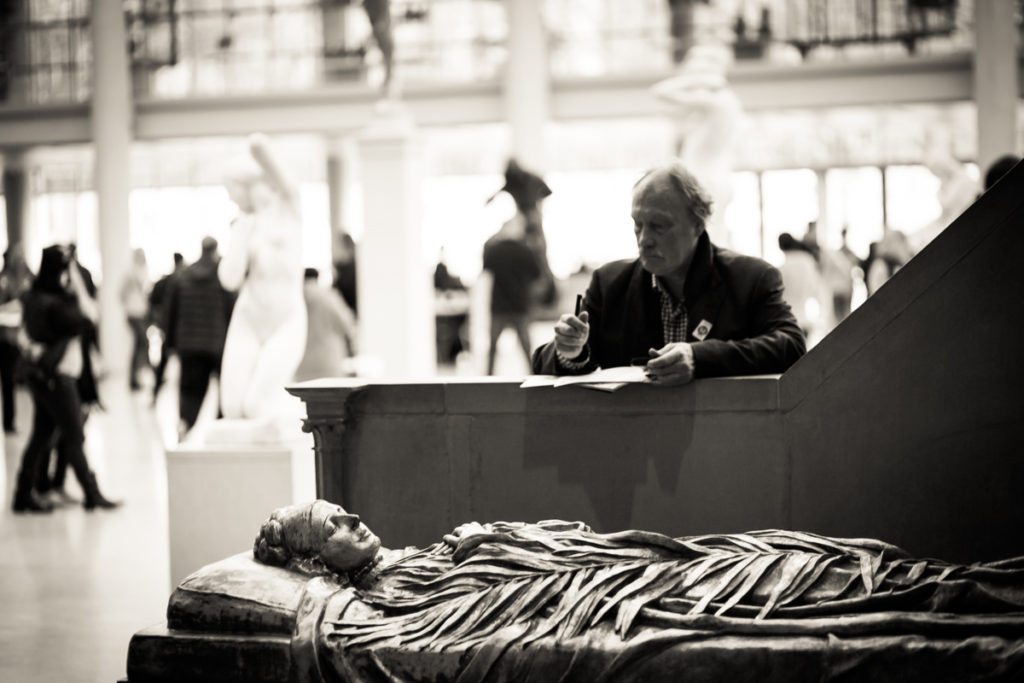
(666, 233)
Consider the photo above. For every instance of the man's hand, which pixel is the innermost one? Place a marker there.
(464, 531)
(671, 365)
(571, 334)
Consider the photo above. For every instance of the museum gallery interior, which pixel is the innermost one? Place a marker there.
(758, 417)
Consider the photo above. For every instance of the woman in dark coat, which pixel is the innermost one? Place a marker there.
(57, 310)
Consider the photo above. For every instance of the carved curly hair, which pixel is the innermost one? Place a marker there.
(285, 540)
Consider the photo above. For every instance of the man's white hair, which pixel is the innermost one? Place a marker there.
(697, 199)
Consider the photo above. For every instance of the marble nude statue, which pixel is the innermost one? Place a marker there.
(708, 117)
(521, 595)
(263, 263)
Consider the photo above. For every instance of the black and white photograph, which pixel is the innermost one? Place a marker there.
(512, 341)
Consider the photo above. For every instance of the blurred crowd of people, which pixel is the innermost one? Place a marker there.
(49, 345)
(49, 342)
(821, 283)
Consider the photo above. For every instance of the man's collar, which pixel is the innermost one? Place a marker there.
(659, 287)
(701, 266)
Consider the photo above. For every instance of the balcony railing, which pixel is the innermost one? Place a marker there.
(629, 36)
(181, 48)
(268, 45)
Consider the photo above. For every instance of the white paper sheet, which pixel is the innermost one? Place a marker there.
(621, 375)
(611, 379)
(539, 381)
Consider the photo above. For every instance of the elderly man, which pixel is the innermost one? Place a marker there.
(685, 309)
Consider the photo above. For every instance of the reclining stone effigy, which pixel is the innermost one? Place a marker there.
(557, 601)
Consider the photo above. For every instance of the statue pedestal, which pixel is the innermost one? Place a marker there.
(218, 494)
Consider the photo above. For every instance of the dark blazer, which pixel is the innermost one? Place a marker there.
(752, 331)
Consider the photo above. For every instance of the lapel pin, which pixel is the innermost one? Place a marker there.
(702, 330)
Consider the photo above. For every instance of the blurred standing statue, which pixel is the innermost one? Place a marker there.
(708, 115)
(956, 191)
(263, 263)
(379, 14)
(528, 190)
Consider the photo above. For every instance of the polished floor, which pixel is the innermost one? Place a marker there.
(75, 585)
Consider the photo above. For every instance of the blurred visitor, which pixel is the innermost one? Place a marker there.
(135, 299)
(15, 280)
(91, 337)
(685, 308)
(998, 168)
(345, 270)
(50, 486)
(451, 312)
(57, 310)
(331, 332)
(198, 311)
(805, 289)
(885, 257)
(837, 271)
(158, 300)
(514, 269)
(444, 281)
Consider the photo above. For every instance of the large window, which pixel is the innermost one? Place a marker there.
(743, 219)
(911, 197)
(853, 207)
(790, 204)
(45, 51)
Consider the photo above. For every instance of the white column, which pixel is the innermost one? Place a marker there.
(112, 137)
(16, 195)
(335, 186)
(395, 289)
(995, 79)
(527, 83)
(821, 225)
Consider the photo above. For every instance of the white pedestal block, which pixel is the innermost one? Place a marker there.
(218, 495)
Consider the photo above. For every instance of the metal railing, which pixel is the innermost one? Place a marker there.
(180, 48)
(271, 45)
(636, 35)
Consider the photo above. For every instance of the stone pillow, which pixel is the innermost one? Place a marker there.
(237, 595)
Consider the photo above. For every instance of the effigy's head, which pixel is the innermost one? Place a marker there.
(315, 538)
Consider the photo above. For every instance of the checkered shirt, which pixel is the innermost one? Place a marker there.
(673, 314)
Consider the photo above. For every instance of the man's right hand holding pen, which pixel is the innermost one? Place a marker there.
(572, 332)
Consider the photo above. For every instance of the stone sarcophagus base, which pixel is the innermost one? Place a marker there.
(238, 621)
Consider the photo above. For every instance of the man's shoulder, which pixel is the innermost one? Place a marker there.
(617, 270)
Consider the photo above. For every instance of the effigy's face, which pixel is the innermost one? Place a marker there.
(347, 543)
(666, 235)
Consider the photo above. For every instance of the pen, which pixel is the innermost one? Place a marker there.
(579, 304)
(639, 361)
